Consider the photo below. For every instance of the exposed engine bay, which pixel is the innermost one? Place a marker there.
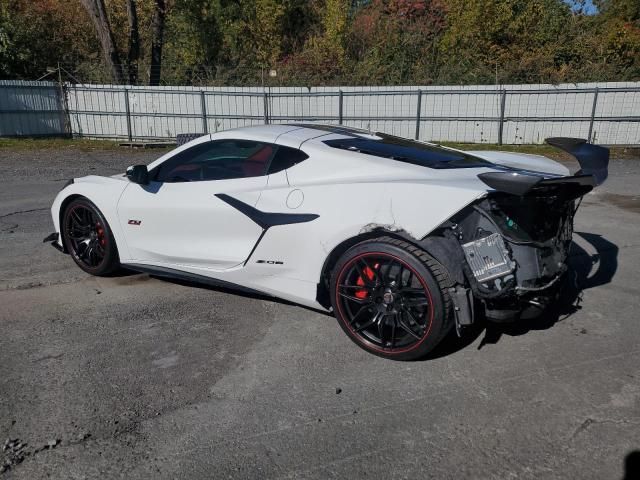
(509, 250)
(515, 249)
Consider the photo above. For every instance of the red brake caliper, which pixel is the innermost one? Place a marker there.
(100, 232)
(361, 294)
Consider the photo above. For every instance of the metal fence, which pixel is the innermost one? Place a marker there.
(606, 113)
(32, 109)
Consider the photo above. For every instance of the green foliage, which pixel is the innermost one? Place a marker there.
(36, 35)
(518, 40)
(618, 35)
(339, 41)
(397, 41)
(322, 57)
(193, 40)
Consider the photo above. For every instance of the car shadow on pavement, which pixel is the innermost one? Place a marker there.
(578, 279)
(581, 276)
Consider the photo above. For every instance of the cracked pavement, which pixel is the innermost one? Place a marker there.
(137, 377)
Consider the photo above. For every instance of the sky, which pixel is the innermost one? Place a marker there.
(589, 8)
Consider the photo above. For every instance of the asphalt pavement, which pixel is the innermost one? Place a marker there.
(138, 377)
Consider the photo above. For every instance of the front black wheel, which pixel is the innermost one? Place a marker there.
(88, 238)
(391, 298)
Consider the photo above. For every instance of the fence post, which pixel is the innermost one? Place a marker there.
(418, 113)
(128, 112)
(64, 105)
(503, 100)
(266, 109)
(593, 114)
(340, 101)
(203, 109)
(66, 116)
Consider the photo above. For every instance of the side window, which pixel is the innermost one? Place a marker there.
(217, 160)
(286, 158)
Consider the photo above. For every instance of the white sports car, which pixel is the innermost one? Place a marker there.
(401, 240)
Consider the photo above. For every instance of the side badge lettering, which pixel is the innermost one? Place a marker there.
(270, 262)
(135, 222)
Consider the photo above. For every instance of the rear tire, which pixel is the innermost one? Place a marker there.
(88, 238)
(390, 297)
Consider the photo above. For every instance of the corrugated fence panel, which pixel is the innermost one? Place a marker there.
(515, 114)
(617, 104)
(97, 112)
(30, 109)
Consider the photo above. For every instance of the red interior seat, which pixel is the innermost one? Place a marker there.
(256, 164)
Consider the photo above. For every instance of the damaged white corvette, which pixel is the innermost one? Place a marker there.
(402, 240)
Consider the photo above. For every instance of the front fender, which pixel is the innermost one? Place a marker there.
(104, 192)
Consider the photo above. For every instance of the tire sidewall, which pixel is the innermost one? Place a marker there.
(437, 307)
(110, 262)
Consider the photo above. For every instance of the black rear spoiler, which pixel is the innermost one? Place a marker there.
(593, 159)
(594, 170)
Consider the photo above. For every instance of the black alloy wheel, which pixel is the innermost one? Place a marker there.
(390, 298)
(88, 238)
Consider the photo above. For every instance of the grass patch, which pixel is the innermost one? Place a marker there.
(45, 143)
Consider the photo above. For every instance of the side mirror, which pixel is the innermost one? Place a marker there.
(138, 174)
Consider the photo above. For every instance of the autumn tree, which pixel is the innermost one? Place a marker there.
(134, 42)
(192, 41)
(322, 41)
(37, 35)
(510, 40)
(618, 34)
(397, 41)
(157, 41)
(98, 14)
(267, 31)
(322, 56)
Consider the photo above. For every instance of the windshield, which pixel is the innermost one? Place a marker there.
(409, 151)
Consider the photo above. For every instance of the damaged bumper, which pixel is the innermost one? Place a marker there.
(515, 249)
(515, 242)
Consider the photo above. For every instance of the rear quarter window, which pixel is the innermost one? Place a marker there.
(286, 157)
(409, 151)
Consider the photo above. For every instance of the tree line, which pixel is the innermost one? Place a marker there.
(320, 42)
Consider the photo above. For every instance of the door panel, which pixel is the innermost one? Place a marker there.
(184, 223)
